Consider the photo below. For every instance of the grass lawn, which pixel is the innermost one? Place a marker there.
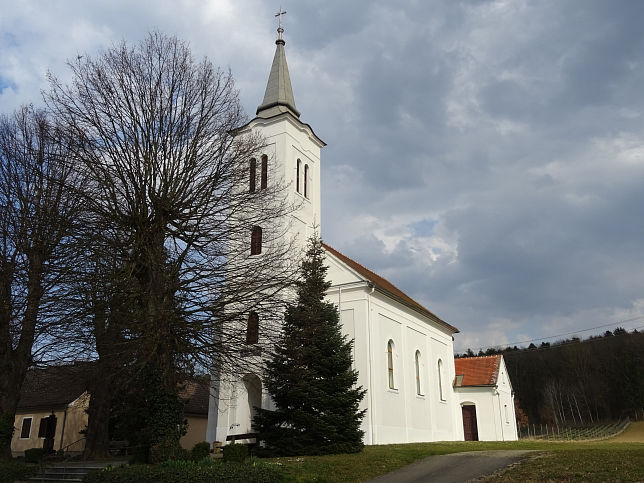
(558, 461)
(581, 462)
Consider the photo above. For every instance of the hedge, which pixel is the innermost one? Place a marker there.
(188, 472)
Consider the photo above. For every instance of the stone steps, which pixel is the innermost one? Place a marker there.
(71, 472)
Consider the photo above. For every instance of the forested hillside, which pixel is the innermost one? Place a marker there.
(578, 381)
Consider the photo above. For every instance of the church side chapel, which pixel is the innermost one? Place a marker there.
(404, 353)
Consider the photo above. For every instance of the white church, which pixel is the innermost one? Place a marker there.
(404, 353)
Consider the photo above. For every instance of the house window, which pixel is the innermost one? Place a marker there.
(507, 419)
(440, 380)
(418, 385)
(264, 177)
(253, 174)
(42, 429)
(256, 241)
(390, 363)
(297, 175)
(25, 431)
(306, 180)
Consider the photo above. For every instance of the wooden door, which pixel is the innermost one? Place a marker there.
(470, 428)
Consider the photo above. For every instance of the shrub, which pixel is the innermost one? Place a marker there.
(34, 455)
(235, 452)
(140, 454)
(200, 451)
(168, 449)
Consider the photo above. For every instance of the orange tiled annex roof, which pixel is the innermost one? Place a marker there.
(478, 371)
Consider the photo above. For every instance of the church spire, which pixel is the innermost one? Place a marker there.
(278, 97)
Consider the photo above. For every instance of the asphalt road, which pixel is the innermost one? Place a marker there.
(453, 468)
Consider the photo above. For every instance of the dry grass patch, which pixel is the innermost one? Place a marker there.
(579, 464)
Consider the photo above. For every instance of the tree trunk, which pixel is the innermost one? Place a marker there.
(98, 415)
(15, 362)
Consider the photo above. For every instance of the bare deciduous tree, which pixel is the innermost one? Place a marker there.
(36, 220)
(169, 208)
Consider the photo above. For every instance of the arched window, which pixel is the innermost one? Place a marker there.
(440, 380)
(297, 175)
(256, 241)
(253, 174)
(418, 384)
(264, 177)
(390, 363)
(252, 328)
(306, 180)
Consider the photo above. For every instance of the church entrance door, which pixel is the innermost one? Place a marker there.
(470, 428)
(253, 386)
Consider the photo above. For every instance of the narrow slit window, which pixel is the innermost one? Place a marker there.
(440, 380)
(252, 328)
(418, 382)
(306, 180)
(253, 174)
(264, 176)
(297, 175)
(256, 241)
(390, 364)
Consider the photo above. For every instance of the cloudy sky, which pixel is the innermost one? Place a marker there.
(485, 156)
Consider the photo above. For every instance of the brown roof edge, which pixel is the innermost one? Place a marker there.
(385, 286)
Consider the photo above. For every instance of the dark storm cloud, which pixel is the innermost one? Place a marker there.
(484, 156)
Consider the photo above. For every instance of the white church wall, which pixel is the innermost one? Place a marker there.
(419, 399)
(506, 402)
(400, 414)
(352, 306)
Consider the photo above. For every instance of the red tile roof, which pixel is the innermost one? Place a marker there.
(196, 395)
(478, 371)
(386, 286)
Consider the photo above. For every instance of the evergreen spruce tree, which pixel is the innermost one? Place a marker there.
(310, 377)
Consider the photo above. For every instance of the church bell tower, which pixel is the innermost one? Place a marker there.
(292, 149)
(290, 155)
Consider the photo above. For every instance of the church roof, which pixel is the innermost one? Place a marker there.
(278, 97)
(477, 371)
(387, 287)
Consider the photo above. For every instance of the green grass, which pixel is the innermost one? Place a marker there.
(378, 460)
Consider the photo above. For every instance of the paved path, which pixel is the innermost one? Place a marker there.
(453, 468)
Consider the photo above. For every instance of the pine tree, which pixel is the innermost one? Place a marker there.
(310, 377)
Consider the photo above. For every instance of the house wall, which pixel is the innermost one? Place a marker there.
(196, 431)
(70, 421)
(397, 415)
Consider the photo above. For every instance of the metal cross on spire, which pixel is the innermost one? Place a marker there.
(279, 17)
